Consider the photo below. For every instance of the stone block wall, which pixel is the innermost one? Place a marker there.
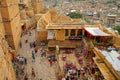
(42, 35)
(37, 6)
(11, 21)
(6, 69)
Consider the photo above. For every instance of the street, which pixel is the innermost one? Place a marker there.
(41, 65)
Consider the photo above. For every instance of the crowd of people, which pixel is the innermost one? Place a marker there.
(20, 62)
(87, 70)
(71, 72)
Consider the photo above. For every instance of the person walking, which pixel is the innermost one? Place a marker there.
(50, 62)
(33, 58)
(29, 33)
(17, 72)
(22, 69)
(20, 44)
(26, 40)
(31, 44)
(36, 48)
(33, 52)
(34, 44)
(26, 77)
(44, 53)
(33, 72)
(41, 52)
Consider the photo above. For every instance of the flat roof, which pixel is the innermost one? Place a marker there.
(112, 58)
(64, 26)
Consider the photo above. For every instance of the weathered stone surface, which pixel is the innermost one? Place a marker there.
(11, 21)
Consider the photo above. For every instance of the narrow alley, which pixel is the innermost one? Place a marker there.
(41, 65)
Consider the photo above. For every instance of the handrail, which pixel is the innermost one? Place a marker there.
(112, 70)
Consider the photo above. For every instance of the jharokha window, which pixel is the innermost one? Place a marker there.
(66, 32)
(72, 32)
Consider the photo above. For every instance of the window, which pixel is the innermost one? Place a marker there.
(66, 32)
(72, 32)
(79, 33)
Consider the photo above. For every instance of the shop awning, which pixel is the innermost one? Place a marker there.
(96, 31)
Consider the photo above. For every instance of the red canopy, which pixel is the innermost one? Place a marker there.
(96, 31)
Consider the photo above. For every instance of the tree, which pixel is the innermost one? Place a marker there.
(75, 15)
(117, 28)
(87, 20)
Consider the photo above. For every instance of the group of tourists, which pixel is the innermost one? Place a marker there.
(43, 52)
(88, 72)
(21, 60)
(19, 64)
(35, 50)
(33, 44)
(74, 73)
(85, 71)
(51, 58)
(32, 74)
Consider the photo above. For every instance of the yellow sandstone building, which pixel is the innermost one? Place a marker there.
(62, 31)
(10, 34)
(6, 68)
(37, 6)
(11, 20)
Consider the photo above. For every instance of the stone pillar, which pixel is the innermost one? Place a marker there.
(69, 32)
(76, 32)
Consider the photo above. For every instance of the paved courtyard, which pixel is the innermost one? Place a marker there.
(41, 65)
